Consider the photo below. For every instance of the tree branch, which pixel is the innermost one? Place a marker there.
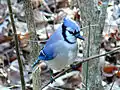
(78, 63)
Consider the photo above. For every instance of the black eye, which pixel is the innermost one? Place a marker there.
(74, 33)
(70, 32)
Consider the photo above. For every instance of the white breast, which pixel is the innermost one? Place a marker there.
(66, 55)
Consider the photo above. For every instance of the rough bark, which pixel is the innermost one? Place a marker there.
(32, 29)
(89, 15)
(36, 80)
(34, 45)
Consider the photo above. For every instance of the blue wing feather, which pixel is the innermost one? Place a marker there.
(49, 49)
(56, 36)
(48, 52)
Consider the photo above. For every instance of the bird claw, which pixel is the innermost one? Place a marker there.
(51, 75)
(75, 66)
(52, 79)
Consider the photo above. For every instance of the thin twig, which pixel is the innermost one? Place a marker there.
(82, 61)
(57, 76)
(17, 46)
(88, 53)
(112, 84)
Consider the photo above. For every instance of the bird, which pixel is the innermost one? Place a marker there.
(61, 48)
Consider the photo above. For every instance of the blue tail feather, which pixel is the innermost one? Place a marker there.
(36, 62)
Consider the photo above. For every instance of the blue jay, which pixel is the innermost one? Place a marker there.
(61, 48)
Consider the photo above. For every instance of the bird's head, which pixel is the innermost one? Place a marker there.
(71, 30)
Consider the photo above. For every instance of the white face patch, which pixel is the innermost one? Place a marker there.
(70, 29)
(70, 37)
(68, 34)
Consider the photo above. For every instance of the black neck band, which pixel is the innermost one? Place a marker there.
(64, 35)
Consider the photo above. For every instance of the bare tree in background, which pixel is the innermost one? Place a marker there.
(34, 45)
(95, 19)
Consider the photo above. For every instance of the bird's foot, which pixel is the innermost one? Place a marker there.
(51, 75)
(76, 66)
(52, 79)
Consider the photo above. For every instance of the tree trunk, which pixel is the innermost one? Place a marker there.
(34, 45)
(36, 80)
(32, 29)
(95, 21)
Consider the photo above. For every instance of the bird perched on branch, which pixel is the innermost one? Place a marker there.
(61, 48)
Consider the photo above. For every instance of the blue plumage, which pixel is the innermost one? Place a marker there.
(61, 48)
(71, 24)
